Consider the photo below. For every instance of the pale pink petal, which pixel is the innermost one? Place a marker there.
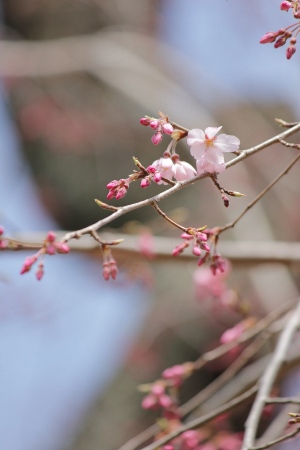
(183, 171)
(195, 135)
(214, 156)
(227, 143)
(210, 132)
(198, 149)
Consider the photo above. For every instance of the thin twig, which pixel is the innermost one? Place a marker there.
(164, 215)
(276, 441)
(268, 378)
(259, 196)
(282, 400)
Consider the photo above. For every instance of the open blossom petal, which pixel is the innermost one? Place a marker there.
(183, 171)
(195, 135)
(210, 132)
(204, 166)
(227, 143)
(164, 165)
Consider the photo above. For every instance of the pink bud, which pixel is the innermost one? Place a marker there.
(145, 121)
(285, 6)
(268, 37)
(167, 128)
(151, 169)
(3, 244)
(50, 249)
(157, 138)
(1, 230)
(51, 236)
(157, 389)
(205, 246)
(40, 272)
(154, 124)
(121, 193)
(112, 184)
(157, 177)
(145, 183)
(106, 271)
(179, 248)
(113, 269)
(29, 261)
(165, 401)
(187, 236)
(111, 194)
(62, 247)
(196, 250)
(149, 402)
(290, 51)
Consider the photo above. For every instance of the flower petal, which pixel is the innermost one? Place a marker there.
(198, 149)
(214, 156)
(227, 143)
(210, 132)
(195, 135)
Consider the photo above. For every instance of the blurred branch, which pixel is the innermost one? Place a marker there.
(268, 378)
(239, 252)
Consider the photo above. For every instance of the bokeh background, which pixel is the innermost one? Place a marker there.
(76, 78)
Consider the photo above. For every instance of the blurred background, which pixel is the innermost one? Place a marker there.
(76, 78)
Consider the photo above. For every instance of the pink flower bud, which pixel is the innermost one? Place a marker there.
(145, 121)
(106, 271)
(187, 236)
(151, 169)
(40, 271)
(157, 177)
(112, 184)
(145, 183)
(157, 389)
(1, 230)
(179, 248)
(154, 124)
(268, 37)
(167, 128)
(290, 51)
(51, 236)
(196, 250)
(50, 249)
(285, 6)
(121, 193)
(111, 194)
(157, 138)
(62, 247)
(3, 244)
(205, 246)
(165, 401)
(149, 402)
(113, 269)
(29, 261)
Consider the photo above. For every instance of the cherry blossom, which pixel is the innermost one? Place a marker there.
(208, 149)
(164, 165)
(182, 170)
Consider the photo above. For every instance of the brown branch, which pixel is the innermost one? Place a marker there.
(168, 219)
(259, 196)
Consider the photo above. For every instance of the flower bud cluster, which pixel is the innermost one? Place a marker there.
(117, 188)
(157, 398)
(110, 268)
(281, 36)
(50, 247)
(176, 374)
(161, 126)
(198, 240)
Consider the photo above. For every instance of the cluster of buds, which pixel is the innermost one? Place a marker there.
(3, 242)
(161, 126)
(157, 398)
(110, 268)
(199, 239)
(118, 188)
(281, 36)
(50, 247)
